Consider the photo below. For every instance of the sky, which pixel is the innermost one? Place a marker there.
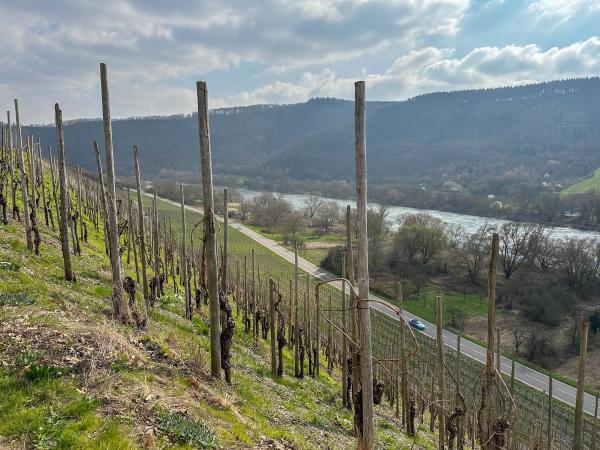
(280, 51)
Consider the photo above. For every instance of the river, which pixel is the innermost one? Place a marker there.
(469, 223)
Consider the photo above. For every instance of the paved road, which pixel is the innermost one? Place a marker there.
(524, 374)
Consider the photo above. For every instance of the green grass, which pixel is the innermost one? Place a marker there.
(589, 184)
(50, 413)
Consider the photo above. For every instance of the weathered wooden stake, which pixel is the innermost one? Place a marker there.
(273, 326)
(550, 411)
(209, 228)
(189, 310)
(583, 342)
(296, 315)
(64, 205)
(120, 304)
(441, 384)
(141, 231)
(24, 178)
(366, 431)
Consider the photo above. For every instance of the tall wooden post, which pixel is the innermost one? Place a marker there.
(79, 204)
(44, 200)
(550, 412)
(317, 333)
(273, 326)
(366, 434)
(103, 196)
(441, 385)
(24, 177)
(345, 399)
(583, 336)
(53, 179)
(487, 400)
(156, 242)
(141, 231)
(595, 425)
(296, 315)
(120, 304)
(11, 168)
(209, 227)
(184, 263)
(254, 300)
(64, 205)
(225, 240)
(246, 321)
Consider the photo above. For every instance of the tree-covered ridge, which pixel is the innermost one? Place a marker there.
(489, 141)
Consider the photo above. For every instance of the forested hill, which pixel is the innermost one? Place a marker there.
(481, 139)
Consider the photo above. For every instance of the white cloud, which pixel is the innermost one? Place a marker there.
(562, 10)
(50, 50)
(430, 69)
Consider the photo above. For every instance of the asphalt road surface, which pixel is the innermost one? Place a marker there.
(524, 374)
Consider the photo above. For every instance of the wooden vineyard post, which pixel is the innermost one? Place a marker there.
(132, 236)
(354, 316)
(156, 244)
(296, 316)
(441, 385)
(254, 300)
(184, 264)
(79, 205)
(102, 196)
(44, 200)
(53, 180)
(11, 169)
(583, 336)
(120, 305)
(224, 264)
(246, 322)
(290, 340)
(317, 353)
(460, 443)
(549, 419)
(24, 177)
(64, 205)
(329, 338)
(209, 229)
(345, 399)
(237, 286)
(141, 231)
(595, 425)
(273, 326)
(366, 429)
(486, 425)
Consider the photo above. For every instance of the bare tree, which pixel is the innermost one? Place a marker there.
(578, 260)
(327, 215)
(474, 250)
(312, 205)
(541, 249)
(514, 246)
(244, 210)
(519, 336)
(377, 227)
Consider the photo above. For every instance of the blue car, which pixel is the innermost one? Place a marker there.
(415, 323)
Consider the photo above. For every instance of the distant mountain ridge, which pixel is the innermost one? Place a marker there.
(484, 140)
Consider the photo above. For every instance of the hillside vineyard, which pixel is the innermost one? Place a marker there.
(242, 307)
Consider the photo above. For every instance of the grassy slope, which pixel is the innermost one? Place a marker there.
(588, 184)
(70, 377)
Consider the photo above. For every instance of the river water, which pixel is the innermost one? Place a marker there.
(468, 222)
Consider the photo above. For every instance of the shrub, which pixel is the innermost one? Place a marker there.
(182, 429)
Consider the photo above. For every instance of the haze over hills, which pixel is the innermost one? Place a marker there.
(503, 141)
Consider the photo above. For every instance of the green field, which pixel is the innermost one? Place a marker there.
(589, 184)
